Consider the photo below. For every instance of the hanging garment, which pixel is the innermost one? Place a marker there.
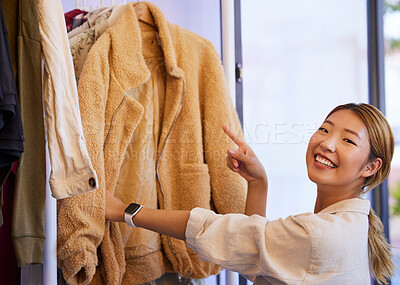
(11, 134)
(91, 20)
(190, 153)
(29, 192)
(71, 169)
(78, 20)
(9, 271)
(137, 179)
(82, 42)
(25, 48)
(71, 16)
(4, 172)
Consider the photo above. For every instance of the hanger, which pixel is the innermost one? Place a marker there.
(143, 14)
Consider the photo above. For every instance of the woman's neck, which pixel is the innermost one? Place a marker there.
(328, 197)
(321, 203)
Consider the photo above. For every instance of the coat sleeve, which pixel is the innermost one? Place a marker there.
(81, 219)
(228, 189)
(252, 246)
(71, 169)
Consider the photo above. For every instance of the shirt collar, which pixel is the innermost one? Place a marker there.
(357, 205)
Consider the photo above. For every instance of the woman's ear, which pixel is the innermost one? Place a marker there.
(372, 167)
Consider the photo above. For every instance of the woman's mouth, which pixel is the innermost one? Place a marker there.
(324, 161)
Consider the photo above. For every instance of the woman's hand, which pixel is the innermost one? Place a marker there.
(114, 208)
(243, 160)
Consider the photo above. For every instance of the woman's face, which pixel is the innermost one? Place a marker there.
(338, 151)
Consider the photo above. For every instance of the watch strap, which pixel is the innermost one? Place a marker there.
(129, 216)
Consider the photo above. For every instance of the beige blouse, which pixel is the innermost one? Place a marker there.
(330, 247)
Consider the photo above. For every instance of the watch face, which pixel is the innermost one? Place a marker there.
(132, 208)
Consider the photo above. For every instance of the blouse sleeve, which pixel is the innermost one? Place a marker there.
(251, 245)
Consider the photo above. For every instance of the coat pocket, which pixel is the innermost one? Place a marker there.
(194, 187)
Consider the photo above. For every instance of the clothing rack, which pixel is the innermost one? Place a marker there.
(228, 52)
(101, 4)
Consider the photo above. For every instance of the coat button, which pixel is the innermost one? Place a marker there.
(92, 182)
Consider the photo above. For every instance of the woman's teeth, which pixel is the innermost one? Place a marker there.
(325, 161)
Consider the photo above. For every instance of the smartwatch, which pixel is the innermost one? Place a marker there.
(130, 212)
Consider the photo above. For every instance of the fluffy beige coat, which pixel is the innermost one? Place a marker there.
(191, 152)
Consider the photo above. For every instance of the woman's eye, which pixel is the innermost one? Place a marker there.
(349, 141)
(323, 129)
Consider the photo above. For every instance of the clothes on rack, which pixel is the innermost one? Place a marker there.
(71, 169)
(75, 18)
(81, 42)
(29, 191)
(11, 134)
(4, 172)
(9, 270)
(72, 172)
(181, 139)
(91, 19)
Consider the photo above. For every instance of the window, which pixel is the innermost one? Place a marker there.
(202, 18)
(392, 90)
(300, 60)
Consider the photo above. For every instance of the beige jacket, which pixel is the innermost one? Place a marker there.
(191, 166)
(330, 247)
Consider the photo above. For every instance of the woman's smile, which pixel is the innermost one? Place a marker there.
(323, 162)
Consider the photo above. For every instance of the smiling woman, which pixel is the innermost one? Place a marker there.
(338, 157)
(353, 150)
(337, 244)
(381, 140)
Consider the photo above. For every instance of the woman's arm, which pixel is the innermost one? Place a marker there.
(173, 223)
(245, 162)
(168, 222)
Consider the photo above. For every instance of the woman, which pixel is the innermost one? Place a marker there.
(337, 244)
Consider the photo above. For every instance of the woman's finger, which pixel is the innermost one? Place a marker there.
(234, 161)
(240, 156)
(231, 165)
(233, 136)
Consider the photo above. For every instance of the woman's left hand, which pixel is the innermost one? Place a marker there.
(114, 208)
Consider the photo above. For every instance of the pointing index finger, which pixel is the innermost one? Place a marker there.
(232, 135)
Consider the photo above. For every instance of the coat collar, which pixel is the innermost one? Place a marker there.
(126, 52)
(357, 205)
(131, 71)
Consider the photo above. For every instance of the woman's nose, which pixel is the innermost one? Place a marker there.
(328, 145)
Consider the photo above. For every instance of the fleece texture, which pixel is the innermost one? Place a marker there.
(191, 151)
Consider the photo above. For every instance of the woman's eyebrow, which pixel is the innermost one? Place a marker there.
(346, 130)
(352, 132)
